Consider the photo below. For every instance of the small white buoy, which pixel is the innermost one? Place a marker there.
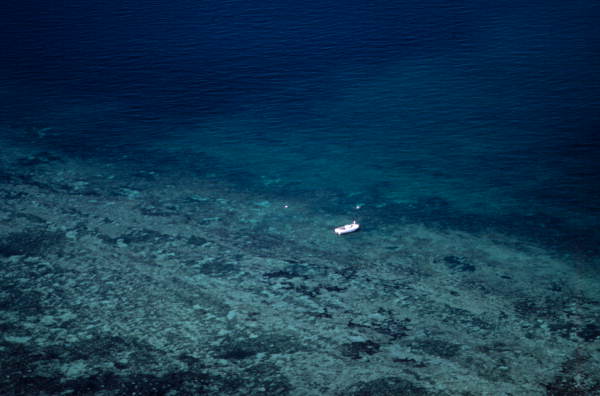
(345, 229)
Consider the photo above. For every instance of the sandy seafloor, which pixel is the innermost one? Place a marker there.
(121, 279)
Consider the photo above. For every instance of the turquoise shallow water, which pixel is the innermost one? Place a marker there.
(492, 112)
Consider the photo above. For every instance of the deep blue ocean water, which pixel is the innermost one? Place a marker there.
(468, 114)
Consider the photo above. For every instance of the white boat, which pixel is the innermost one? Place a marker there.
(345, 229)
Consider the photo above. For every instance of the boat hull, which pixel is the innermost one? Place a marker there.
(346, 229)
